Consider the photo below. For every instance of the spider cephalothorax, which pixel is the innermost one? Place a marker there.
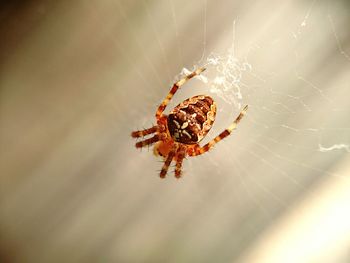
(177, 135)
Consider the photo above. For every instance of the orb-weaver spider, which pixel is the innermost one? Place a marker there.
(178, 134)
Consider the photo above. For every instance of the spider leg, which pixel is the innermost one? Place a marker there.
(173, 90)
(200, 150)
(167, 162)
(142, 133)
(180, 156)
(148, 141)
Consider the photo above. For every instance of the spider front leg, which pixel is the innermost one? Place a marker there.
(173, 90)
(168, 161)
(142, 133)
(197, 150)
(148, 141)
(181, 154)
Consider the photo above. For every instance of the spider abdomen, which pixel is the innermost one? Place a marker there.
(192, 119)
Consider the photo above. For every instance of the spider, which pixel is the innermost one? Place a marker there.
(178, 134)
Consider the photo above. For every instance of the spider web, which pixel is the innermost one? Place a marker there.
(291, 71)
(236, 80)
(290, 65)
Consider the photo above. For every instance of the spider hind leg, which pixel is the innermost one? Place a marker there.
(173, 90)
(200, 150)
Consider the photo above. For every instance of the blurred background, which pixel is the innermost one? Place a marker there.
(76, 77)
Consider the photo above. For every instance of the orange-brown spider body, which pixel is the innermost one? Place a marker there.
(178, 134)
(192, 119)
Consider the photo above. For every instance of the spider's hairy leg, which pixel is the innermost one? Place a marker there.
(167, 162)
(180, 156)
(148, 141)
(200, 150)
(142, 133)
(173, 90)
